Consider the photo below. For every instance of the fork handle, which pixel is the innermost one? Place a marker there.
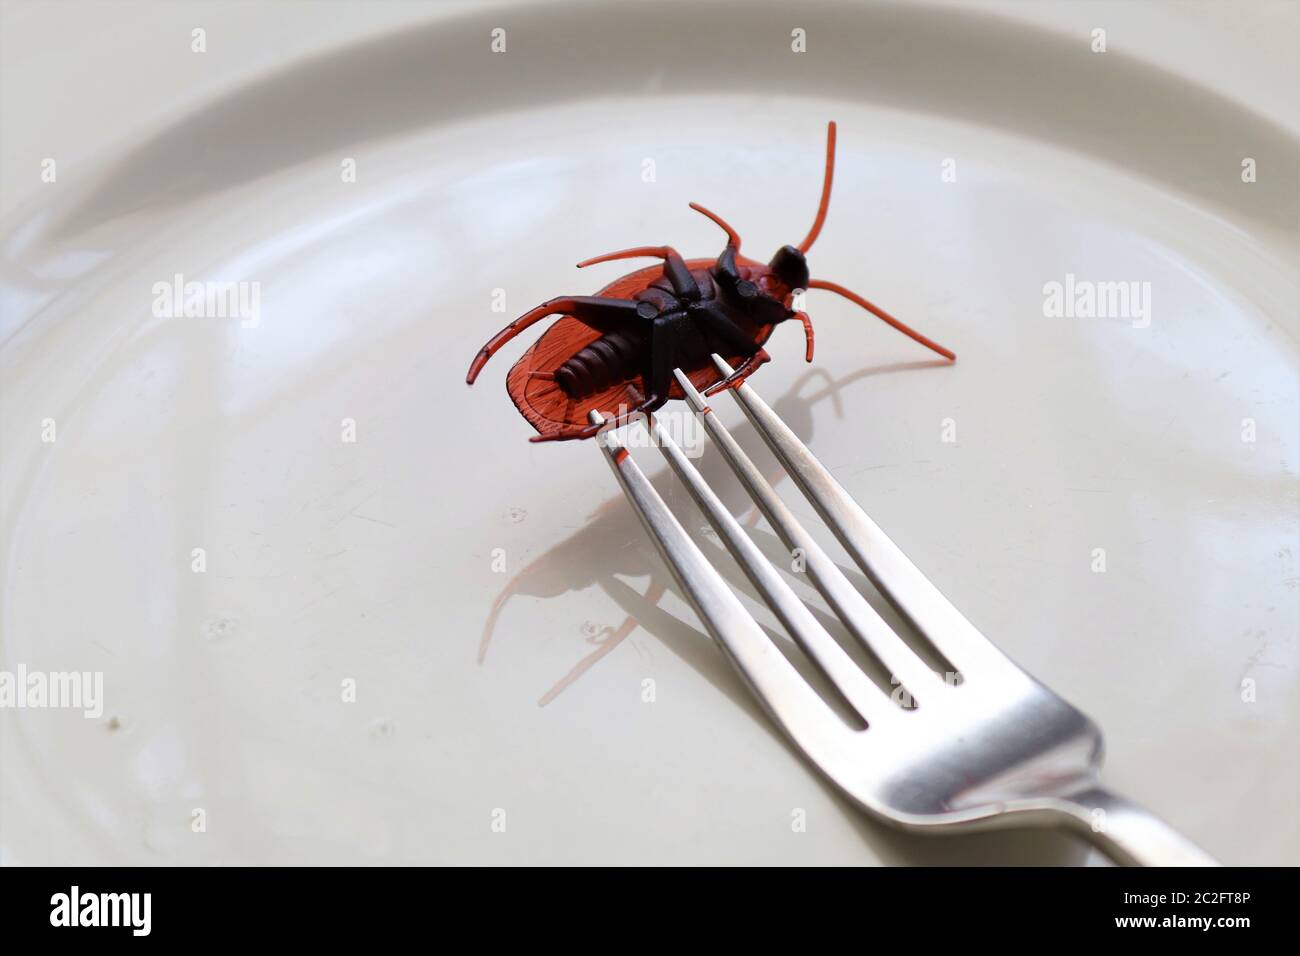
(1128, 834)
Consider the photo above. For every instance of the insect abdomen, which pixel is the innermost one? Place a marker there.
(610, 359)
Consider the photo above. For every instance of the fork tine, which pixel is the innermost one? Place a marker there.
(794, 705)
(910, 591)
(857, 615)
(867, 699)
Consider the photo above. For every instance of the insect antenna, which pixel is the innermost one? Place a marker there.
(882, 315)
(826, 191)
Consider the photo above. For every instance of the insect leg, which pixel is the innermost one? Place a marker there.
(602, 314)
(807, 334)
(674, 266)
(722, 330)
(726, 269)
(742, 371)
(729, 276)
(665, 340)
(733, 237)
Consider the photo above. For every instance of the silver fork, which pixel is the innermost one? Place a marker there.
(997, 749)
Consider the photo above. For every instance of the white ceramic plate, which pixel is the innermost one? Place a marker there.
(1169, 444)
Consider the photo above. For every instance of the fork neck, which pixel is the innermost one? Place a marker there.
(1128, 834)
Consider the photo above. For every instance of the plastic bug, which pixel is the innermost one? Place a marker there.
(615, 352)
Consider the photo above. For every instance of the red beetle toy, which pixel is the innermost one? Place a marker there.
(615, 352)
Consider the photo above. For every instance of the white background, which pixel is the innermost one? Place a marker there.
(370, 561)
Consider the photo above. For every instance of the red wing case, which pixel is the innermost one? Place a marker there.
(541, 401)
